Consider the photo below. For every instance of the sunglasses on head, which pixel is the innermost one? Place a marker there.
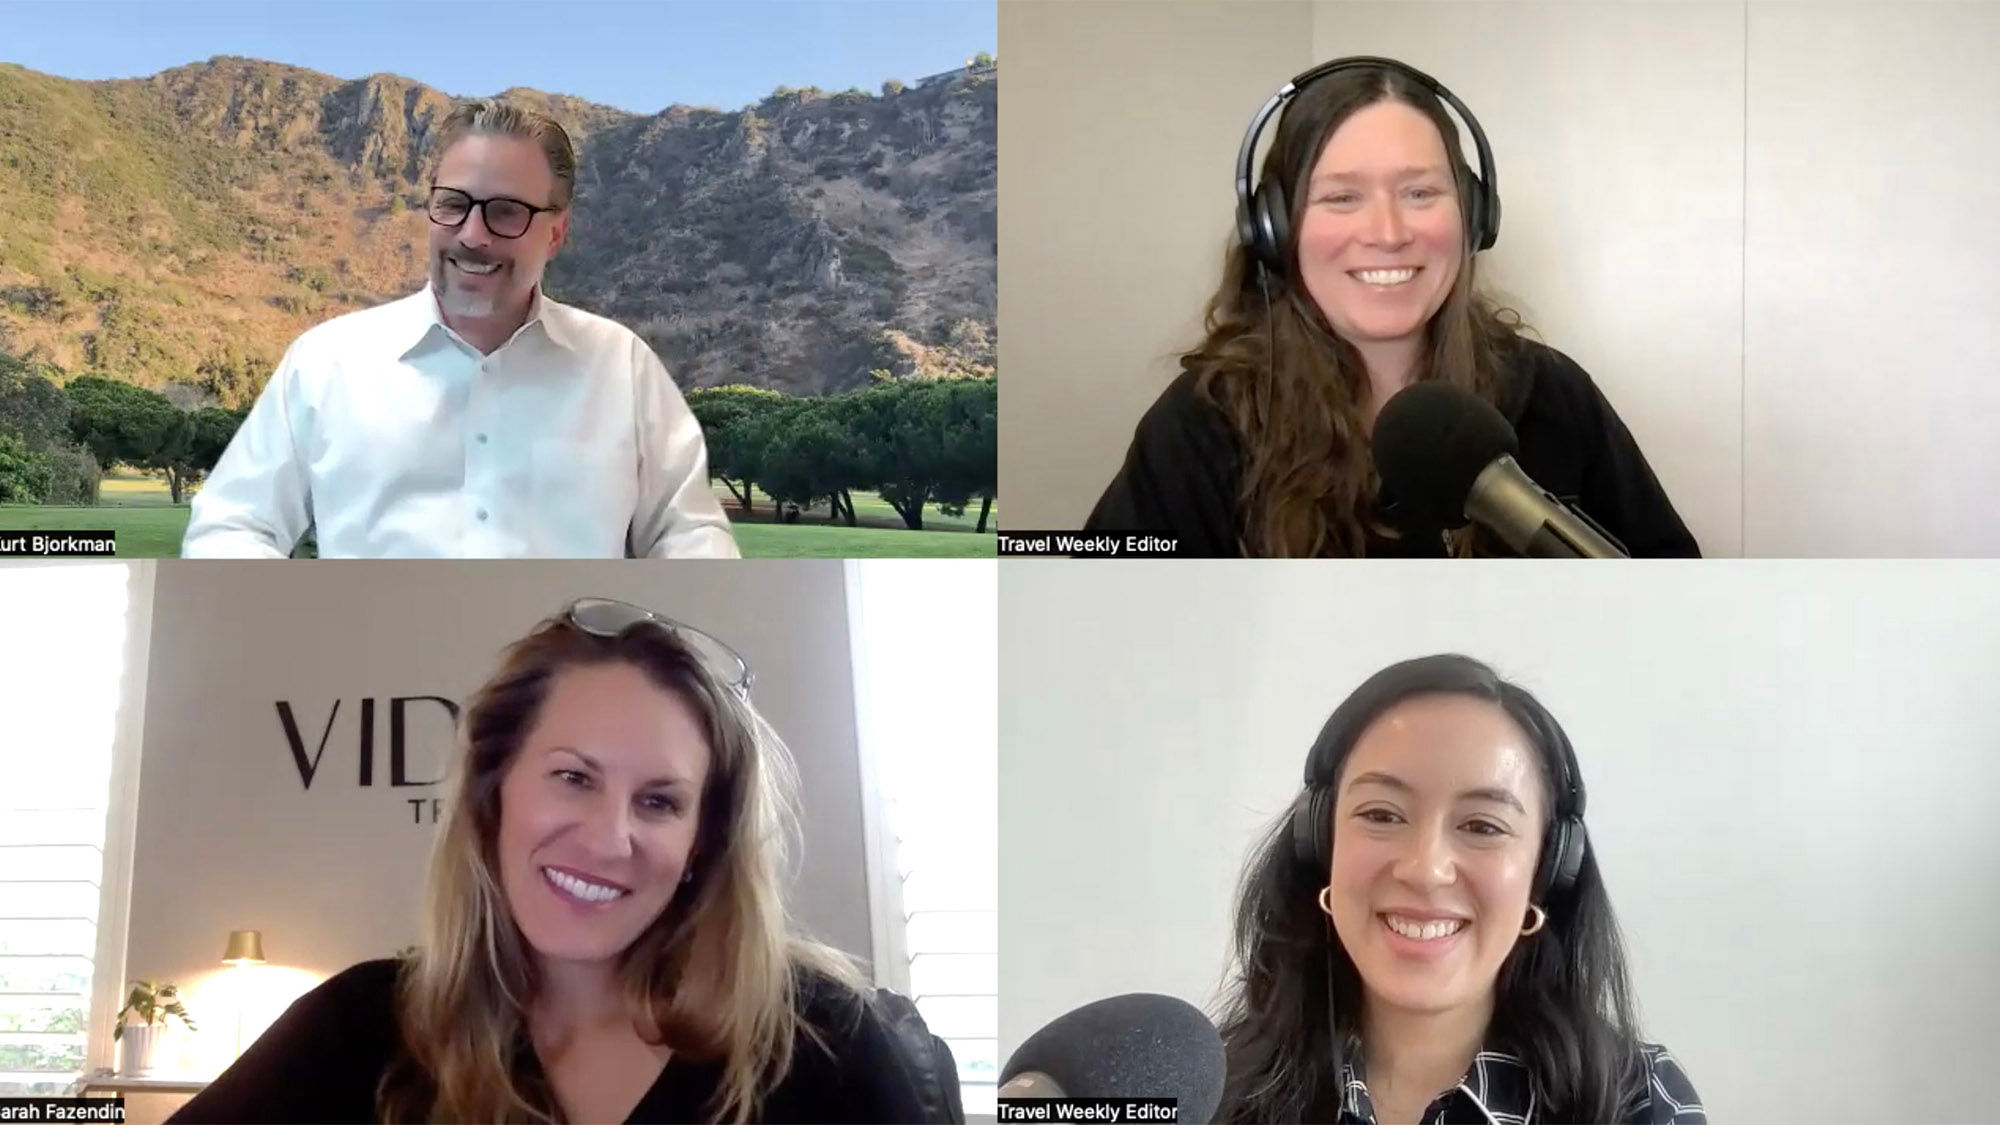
(608, 617)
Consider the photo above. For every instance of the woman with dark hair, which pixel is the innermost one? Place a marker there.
(1354, 275)
(1426, 937)
(605, 932)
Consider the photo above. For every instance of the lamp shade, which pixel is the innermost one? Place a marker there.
(246, 947)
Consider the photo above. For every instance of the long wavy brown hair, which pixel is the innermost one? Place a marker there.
(1292, 388)
(715, 977)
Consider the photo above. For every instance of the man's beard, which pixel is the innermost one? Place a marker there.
(456, 300)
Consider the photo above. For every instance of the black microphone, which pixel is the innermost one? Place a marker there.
(1139, 1045)
(1446, 457)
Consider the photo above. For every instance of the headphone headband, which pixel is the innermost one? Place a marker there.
(1563, 846)
(1263, 216)
(1568, 782)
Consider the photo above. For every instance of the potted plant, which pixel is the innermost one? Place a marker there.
(152, 1003)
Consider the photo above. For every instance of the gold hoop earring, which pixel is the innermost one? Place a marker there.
(1326, 907)
(1541, 916)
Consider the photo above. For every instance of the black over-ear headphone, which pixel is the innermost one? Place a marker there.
(1264, 214)
(1562, 849)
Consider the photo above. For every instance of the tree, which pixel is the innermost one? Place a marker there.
(892, 87)
(208, 433)
(730, 420)
(982, 59)
(903, 426)
(811, 453)
(971, 455)
(24, 475)
(32, 407)
(74, 475)
(215, 428)
(120, 422)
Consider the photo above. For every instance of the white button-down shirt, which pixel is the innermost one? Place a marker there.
(394, 438)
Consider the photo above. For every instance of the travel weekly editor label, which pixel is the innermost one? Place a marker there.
(1088, 1109)
(1074, 544)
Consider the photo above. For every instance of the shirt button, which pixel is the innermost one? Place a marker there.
(482, 439)
(482, 515)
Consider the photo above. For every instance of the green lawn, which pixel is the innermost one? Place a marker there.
(131, 491)
(150, 525)
(145, 531)
(868, 508)
(811, 541)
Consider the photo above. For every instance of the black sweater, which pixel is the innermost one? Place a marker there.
(1182, 476)
(324, 1058)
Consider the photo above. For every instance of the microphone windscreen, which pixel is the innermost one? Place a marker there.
(1432, 440)
(1139, 1045)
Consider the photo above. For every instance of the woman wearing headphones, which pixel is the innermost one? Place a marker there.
(604, 934)
(1425, 937)
(1354, 276)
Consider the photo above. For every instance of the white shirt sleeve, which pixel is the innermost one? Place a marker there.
(677, 515)
(257, 502)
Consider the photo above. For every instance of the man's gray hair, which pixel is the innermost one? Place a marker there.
(490, 117)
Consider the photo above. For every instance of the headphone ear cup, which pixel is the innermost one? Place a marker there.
(1576, 841)
(1312, 842)
(1474, 211)
(1562, 859)
(1272, 216)
(1489, 220)
(1482, 213)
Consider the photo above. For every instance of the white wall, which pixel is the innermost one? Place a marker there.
(1874, 279)
(1115, 148)
(228, 838)
(1760, 226)
(1790, 768)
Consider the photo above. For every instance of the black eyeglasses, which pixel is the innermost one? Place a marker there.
(506, 218)
(606, 617)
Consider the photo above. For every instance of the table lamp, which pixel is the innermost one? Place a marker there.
(246, 947)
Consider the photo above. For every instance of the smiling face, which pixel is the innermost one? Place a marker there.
(1380, 238)
(1438, 824)
(483, 166)
(599, 811)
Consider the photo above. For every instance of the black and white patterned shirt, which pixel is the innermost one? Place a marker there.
(1499, 1090)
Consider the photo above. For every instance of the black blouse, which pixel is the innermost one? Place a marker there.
(1498, 1087)
(1182, 475)
(324, 1058)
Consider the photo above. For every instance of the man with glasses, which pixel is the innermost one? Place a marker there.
(476, 418)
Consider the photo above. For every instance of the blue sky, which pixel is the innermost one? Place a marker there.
(637, 55)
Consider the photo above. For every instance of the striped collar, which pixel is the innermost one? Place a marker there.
(1497, 1089)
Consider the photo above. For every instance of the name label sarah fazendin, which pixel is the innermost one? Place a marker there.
(62, 1109)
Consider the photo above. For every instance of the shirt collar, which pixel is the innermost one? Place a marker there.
(1497, 1087)
(543, 314)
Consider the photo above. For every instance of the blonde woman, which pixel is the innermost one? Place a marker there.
(604, 933)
